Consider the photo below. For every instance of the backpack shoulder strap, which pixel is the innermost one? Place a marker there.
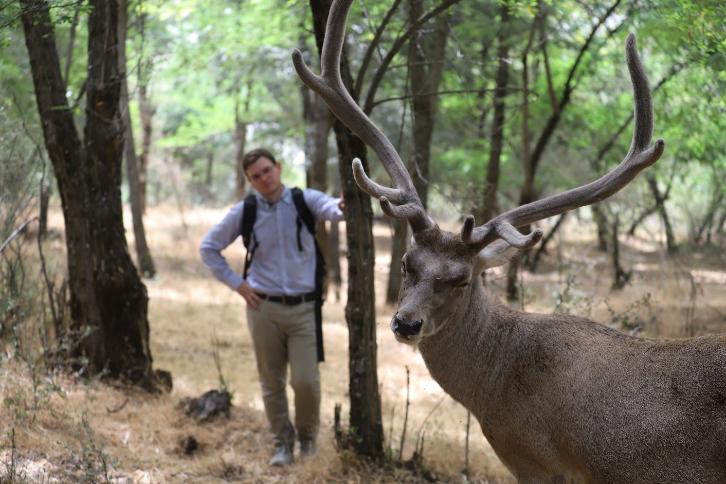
(249, 214)
(304, 214)
(303, 210)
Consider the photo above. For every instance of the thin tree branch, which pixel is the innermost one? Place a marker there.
(15, 233)
(71, 43)
(436, 93)
(548, 71)
(371, 48)
(566, 91)
(395, 48)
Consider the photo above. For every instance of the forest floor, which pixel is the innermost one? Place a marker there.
(65, 429)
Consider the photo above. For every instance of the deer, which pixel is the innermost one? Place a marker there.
(558, 397)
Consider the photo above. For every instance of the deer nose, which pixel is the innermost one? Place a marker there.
(404, 327)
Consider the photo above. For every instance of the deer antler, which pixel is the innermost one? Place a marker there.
(640, 156)
(400, 202)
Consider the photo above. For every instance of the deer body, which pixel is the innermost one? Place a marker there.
(560, 398)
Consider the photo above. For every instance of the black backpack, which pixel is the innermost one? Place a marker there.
(304, 217)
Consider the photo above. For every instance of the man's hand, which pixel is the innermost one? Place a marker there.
(250, 296)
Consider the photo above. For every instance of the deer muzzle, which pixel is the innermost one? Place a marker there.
(405, 328)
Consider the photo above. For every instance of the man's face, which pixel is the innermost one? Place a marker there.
(264, 175)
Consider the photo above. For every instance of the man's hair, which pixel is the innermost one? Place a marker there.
(252, 156)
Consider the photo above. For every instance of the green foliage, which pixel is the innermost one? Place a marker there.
(210, 63)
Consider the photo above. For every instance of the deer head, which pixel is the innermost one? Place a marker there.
(441, 269)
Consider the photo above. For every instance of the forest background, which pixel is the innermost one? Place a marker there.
(491, 104)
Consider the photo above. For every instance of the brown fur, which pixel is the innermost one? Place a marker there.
(563, 398)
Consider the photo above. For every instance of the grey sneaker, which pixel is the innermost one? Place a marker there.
(307, 448)
(282, 457)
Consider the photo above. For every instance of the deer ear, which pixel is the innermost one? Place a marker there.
(495, 254)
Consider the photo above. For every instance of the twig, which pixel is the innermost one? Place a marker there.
(390, 432)
(423, 424)
(119, 408)
(218, 361)
(46, 279)
(405, 415)
(15, 233)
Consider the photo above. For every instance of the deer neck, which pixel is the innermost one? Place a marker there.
(463, 350)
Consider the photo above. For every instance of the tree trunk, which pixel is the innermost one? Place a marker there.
(513, 286)
(533, 260)
(706, 225)
(426, 54)
(43, 212)
(108, 300)
(318, 122)
(143, 254)
(146, 111)
(601, 222)
(334, 273)
(365, 401)
(399, 246)
(621, 277)
(671, 245)
(240, 136)
(489, 200)
(209, 171)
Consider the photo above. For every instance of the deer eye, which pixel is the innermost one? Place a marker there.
(461, 281)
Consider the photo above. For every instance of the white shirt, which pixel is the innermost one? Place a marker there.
(279, 267)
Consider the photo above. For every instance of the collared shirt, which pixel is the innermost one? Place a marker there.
(279, 267)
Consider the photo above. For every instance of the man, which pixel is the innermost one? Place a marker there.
(280, 293)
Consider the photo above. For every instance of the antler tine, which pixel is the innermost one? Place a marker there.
(330, 87)
(413, 212)
(466, 229)
(640, 156)
(369, 186)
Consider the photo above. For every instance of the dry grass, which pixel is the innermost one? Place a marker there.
(81, 430)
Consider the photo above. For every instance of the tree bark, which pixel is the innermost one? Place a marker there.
(426, 54)
(533, 260)
(707, 222)
(318, 122)
(601, 222)
(334, 272)
(399, 246)
(240, 136)
(143, 253)
(146, 111)
(365, 402)
(671, 245)
(108, 300)
(491, 183)
(514, 263)
(621, 277)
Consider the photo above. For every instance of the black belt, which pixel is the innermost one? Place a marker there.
(289, 300)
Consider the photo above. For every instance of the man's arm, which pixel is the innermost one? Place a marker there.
(323, 207)
(219, 238)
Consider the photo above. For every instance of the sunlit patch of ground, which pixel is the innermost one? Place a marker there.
(192, 316)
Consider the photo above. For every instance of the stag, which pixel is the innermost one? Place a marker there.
(558, 397)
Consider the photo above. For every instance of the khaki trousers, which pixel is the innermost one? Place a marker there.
(282, 334)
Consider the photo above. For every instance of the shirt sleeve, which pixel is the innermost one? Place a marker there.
(219, 238)
(323, 207)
